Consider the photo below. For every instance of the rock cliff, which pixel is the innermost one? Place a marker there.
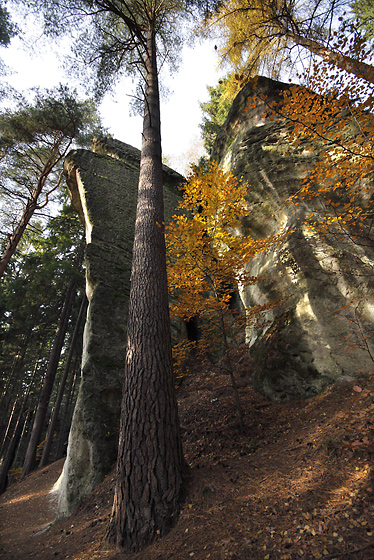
(300, 348)
(103, 187)
(304, 345)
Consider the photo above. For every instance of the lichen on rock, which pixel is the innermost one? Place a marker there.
(103, 189)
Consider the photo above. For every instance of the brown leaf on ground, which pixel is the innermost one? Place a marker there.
(292, 485)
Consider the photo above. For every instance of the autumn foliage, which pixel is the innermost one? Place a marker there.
(334, 117)
(330, 128)
(332, 120)
(207, 262)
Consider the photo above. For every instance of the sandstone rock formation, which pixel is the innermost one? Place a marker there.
(103, 188)
(303, 346)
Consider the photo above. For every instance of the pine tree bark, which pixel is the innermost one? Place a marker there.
(56, 411)
(41, 411)
(150, 458)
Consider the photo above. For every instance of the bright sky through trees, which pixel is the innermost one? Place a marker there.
(180, 109)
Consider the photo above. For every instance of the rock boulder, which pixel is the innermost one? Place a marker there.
(323, 332)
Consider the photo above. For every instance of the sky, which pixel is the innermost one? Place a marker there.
(180, 110)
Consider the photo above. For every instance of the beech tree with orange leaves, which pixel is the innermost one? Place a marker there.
(335, 115)
(334, 118)
(206, 262)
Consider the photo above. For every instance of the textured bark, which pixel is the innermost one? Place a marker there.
(56, 411)
(150, 458)
(30, 458)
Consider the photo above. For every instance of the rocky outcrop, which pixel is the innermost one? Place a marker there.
(103, 188)
(318, 335)
(322, 333)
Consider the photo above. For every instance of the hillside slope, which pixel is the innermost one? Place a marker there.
(296, 484)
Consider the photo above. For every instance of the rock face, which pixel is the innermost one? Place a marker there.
(304, 345)
(103, 188)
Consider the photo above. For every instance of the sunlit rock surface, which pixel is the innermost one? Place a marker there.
(304, 345)
(103, 188)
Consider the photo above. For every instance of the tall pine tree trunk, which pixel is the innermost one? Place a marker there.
(358, 68)
(150, 458)
(54, 356)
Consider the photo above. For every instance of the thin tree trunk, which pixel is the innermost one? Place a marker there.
(150, 459)
(67, 411)
(45, 395)
(7, 429)
(23, 433)
(60, 394)
(29, 209)
(358, 68)
(230, 371)
(10, 378)
(28, 428)
(16, 382)
(11, 451)
(17, 364)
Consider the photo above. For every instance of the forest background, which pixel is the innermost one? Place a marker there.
(43, 288)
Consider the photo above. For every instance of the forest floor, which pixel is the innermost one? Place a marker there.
(296, 483)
